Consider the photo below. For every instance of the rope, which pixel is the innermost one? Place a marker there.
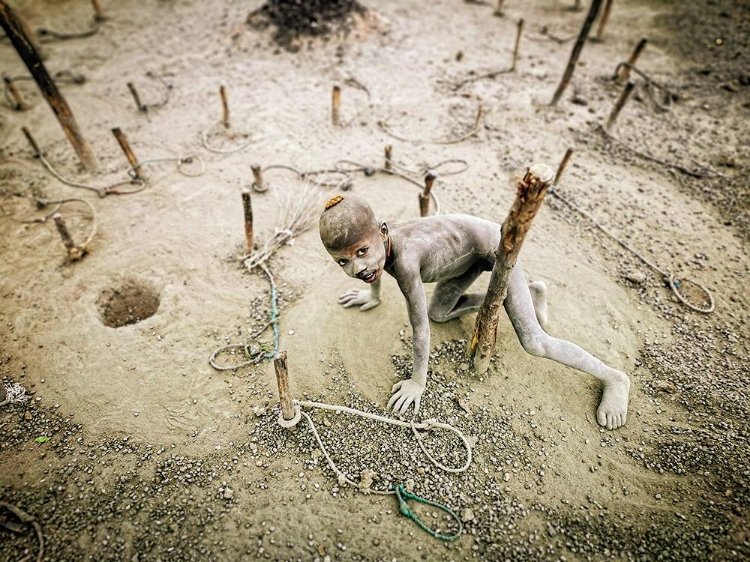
(204, 139)
(648, 86)
(399, 491)
(668, 277)
(385, 127)
(48, 33)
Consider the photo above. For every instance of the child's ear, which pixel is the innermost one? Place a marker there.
(384, 231)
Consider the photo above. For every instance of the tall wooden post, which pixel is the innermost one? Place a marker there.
(531, 191)
(14, 30)
(577, 48)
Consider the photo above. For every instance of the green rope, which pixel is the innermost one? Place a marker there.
(405, 510)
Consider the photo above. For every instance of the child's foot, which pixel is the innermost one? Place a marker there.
(538, 291)
(613, 408)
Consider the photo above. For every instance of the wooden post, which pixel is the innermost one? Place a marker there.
(626, 91)
(248, 207)
(15, 32)
(125, 145)
(518, 43)
(32, 142)
(98, 13)
(136, 97)
(224, 107)
(531, 191)
(577, 48)
(563, 164)
(604, 19)
(336, 106)
(282, 379)
(15, 93)
(625, 72)
(577, 6)
(424, 197)
(499, 9)
(74, 252)
(259, 184)
(388, 152)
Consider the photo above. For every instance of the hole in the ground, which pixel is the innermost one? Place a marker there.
(129, 302)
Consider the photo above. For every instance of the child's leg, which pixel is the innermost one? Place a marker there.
(612, 411)
(539, 297)
(449, 301)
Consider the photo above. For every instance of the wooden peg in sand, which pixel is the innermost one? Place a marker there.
(576, 52)
(125, 145)
(74, 252)
(32, 142)
(15, 93)
(388, 154)
(14, 30)
(561, 167)
(604, 19)
(626, 91)
(518, 44)
(336, 106)
(98, 13)
(259, 184)
(625, 71)
(529, 196)
(499, 9)
(136, 97)
(248, 208)
(282, 379)
(224, 107)
(424, 197)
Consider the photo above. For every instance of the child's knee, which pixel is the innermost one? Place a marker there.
(534, 345)
(437, 315)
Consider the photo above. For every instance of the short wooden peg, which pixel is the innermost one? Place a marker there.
(74, 252)
(424, 197)
(15, 93)
(561, 167)
(336, 106)
(125, 145)
(626, 91)
(224, 107)
(282, 379)
(518, 44)
(248, 207)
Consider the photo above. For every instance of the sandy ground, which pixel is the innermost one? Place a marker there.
(154, 455)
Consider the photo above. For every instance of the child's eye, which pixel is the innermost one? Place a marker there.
(342, 262)
(362, 252)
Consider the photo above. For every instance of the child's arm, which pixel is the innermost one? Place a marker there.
(410, 391)
(362, 297)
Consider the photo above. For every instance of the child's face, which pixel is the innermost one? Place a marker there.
(364, 259)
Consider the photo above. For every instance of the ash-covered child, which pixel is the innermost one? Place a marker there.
(452, 251)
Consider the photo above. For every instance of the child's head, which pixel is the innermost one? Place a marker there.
(353, 237)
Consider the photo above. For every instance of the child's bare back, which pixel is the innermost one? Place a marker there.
(452, 251)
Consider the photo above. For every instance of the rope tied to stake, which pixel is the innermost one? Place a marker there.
(399, 490)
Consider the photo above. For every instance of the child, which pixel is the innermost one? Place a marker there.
(452, 251)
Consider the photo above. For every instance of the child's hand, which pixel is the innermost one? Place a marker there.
(405, 393)
(356, 297)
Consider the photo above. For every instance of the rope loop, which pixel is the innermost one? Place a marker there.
(402, 495)
(288, 424)
(675, 285)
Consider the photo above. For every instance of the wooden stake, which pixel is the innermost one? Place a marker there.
(21, 42)
(499, 9)
(518, 43)
(605, 18)
(98, 13)
(563, 164)
(388, 152)
(625, 72)
(224, 107)
(74, 252)
(248, 206)
(595, 4)
(32, 142)
(577, 6)
(424, 197)
(336, 105)
(15, 93)
(125, 145)
(282, 379)
(136, 97)
(626, 91)
(259, 185)
(531, 191)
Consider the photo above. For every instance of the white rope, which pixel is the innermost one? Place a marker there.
(204, 139)
(426, 425)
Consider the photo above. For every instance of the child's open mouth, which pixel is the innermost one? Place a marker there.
(369, 277)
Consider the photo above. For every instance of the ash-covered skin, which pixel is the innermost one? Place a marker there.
(452, 251)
